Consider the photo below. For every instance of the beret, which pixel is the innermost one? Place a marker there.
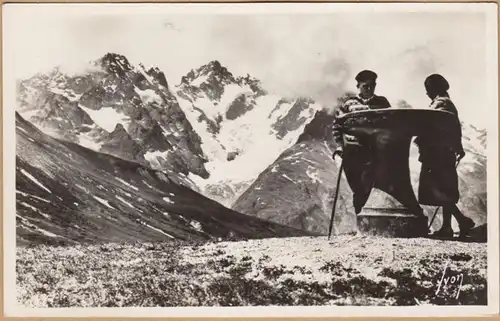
(366, 75)
(437, 82)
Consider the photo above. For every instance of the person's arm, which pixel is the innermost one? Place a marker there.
(446, 105)
(383, 103)
(386, 103)
(380, 102)
(337, 127)
(341, 109)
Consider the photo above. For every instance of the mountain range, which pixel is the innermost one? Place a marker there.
(221, 139)
(209, 130)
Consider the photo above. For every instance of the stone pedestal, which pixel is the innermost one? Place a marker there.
(391, 222)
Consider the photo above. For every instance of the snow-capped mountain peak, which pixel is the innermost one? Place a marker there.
(213, 73)
(212, 128)
(237, 119)
(115, 63)
(209, 80)
(113, 106)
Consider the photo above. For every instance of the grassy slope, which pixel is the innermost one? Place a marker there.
(348, 270)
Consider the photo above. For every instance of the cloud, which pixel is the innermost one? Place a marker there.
(314, 55)
(171, 26)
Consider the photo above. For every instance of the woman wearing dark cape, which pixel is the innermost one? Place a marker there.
(439, 157)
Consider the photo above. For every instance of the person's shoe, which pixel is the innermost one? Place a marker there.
(465, 226)
(443, 232)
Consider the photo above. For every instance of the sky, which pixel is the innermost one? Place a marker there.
(314, 52)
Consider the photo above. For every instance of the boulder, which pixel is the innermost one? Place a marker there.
(391, 222)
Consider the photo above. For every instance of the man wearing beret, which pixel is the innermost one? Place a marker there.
(358, 166)
(364, 100)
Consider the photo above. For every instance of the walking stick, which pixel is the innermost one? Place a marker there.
(336, 197)
(433, 217)
(437, 209)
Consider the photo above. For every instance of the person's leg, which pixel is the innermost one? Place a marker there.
(458, 214)
(447, 213)
(359, 173)
(464, 223)
(446, 229)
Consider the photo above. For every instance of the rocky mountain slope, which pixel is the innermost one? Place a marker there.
(116, 108)
(66, 193)
(237, 119)
(211, 128)
(299, 187)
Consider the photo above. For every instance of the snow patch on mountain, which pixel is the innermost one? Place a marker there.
(148, 96)
(125, 202)
(86, 140)
(32, 196)
(168, 200)
(196, 225)
(247, 136)
(33, 228)
(107, 117)
(199, 80)
(308, 113)
(126, 183)
(82, 188)
(231, 92)
(142, 70)
(209, 143)
(71, 96)
(146, 183)
(34, 180)
(159, 231)
(279, 111)
(313, 175)
(155, 158)
(35, 210)
(103, 201)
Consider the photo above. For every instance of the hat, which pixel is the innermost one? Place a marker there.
(366, 75)
(436, 82)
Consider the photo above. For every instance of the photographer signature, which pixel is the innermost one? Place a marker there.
(456, 279)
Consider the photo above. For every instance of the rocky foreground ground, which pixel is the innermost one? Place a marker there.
(346, 270)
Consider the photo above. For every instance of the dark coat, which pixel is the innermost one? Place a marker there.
(438, 184)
